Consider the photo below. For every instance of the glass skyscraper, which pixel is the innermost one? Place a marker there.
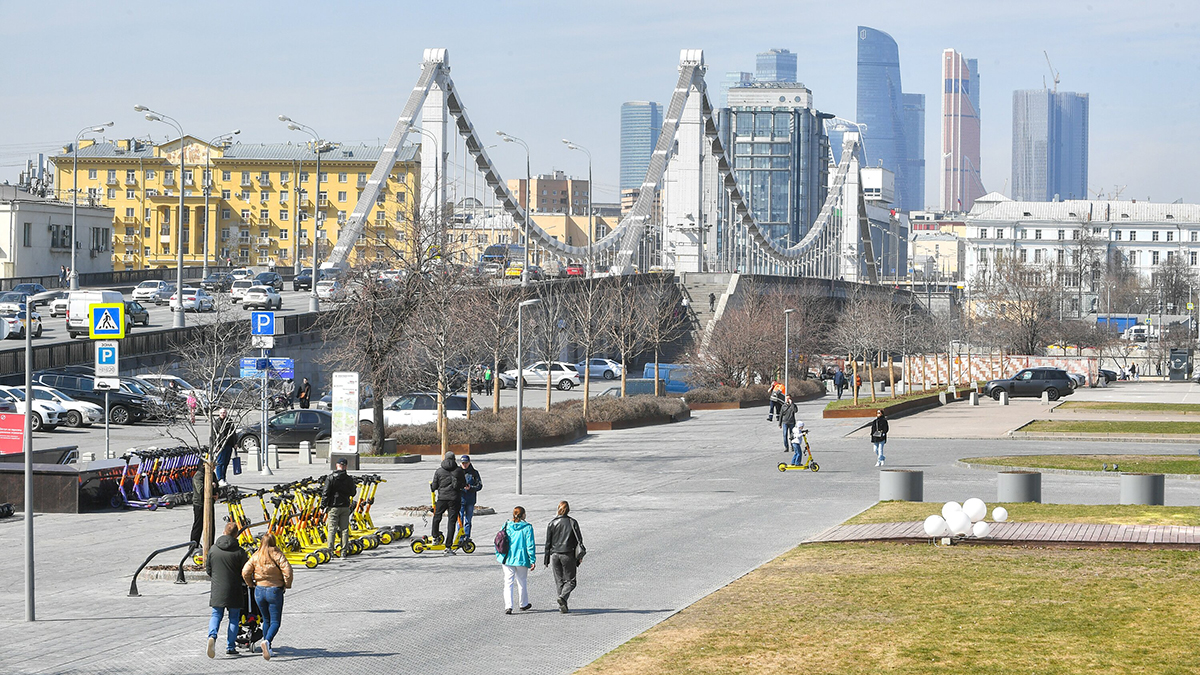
(733, 78)
(776, 65)
(883, 108)
(1050, 145)
(641, 122)
(913, 189)
(961, 183)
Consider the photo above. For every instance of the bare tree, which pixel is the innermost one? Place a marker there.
(1018, 303)
(626, 325)
(551, 329)
(495, 323)
(665, 317)
(588, 314)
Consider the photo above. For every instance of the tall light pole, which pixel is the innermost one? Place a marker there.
(152, 116)
(318, 146)
(28, 448)
(521, 382)
(591, 211)
(208, 189)
(787, 353)
(75, 193)
(528, 203)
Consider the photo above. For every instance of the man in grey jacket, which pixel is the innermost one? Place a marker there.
(787, 420)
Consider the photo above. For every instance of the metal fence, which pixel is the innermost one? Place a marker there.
(115, 278)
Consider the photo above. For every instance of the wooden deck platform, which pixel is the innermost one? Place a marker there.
(1069, 535)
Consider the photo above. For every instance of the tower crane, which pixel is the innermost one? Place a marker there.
(1053, 72)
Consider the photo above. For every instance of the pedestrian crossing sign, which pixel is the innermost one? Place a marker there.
(107, 321)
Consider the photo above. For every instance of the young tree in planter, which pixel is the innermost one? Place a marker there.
(496, 323)
(627, 325)
(665, 317)
(551, 329)
(588, 315)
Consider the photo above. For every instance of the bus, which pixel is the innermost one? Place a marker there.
(502, 254)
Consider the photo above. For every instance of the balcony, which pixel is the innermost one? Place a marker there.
(127, 258)
(263, 241)
(128, 239)
(303, 202)
(246, 182)
(131, 180)
(164, 238)
(264, 182)
(188, 182)
(362, 182)
(323, 202)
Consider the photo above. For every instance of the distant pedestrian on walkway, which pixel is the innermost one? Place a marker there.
(447, 485)
(224, 564)
(192, 404)
(712, 302)
(1133, 374)
(269, 574)
(776, 401)
(879, 432)
(518, 555)
(289, 390)
(337, 496)
(787, 420)
(564, 552)
(62, 276)
(857, 383)
(839, 381)
(305, 394)
(472, 485)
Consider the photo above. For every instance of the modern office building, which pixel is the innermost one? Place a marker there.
(733, 78)
(912, 192)
(641, 122)
(780, 156)
(775, 65)
(1049, 145)
(961, 183)
(890, 117)
(260, 204)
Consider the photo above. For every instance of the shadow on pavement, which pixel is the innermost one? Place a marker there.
(299, 653)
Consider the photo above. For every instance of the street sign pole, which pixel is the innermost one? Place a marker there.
(107, 365)
(262, 443)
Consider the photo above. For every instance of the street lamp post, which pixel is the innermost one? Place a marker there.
(318, 145)
(591, 211)
(521, 383)
(75, 193)
(179, 320)
(787, 352)
(208, 189)
(28, 448)
(528, 202)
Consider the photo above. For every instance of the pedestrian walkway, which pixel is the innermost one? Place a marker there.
(1023, 534)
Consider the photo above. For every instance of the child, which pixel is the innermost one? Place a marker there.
(797, 439)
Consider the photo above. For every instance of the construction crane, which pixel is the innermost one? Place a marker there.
(1053, 72)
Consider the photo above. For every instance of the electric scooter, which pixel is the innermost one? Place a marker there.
(810, 464)
(426, 543)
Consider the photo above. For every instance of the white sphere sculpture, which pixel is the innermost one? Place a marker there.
(975, 509)
(981, 529)
(935, 526)
(959, 523)
(949, 508)
(1000, 514)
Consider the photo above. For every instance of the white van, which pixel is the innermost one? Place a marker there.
(78, 313)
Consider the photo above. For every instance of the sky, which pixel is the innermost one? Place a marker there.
(546, 71)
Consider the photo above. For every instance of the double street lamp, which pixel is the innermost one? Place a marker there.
(207, 185)
(591, 211)
(318, 146)
(153, 116)
(528, 209)
(99, 128)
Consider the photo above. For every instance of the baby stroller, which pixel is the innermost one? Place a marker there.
(250, 627)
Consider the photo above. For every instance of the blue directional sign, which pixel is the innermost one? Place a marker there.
(279, 368)
(262, 323)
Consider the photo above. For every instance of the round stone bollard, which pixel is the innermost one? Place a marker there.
(1019, 486)
(1143, 488)
(903, 485)
(1004, 398)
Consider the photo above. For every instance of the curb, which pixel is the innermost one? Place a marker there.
(1064, 472)
(1080, 436)
(171, 575)
(389, 459)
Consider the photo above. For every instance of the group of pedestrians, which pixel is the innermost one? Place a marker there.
(64, 273)
(267, 573)
(783, 408)
(455, 490)
(516, 551)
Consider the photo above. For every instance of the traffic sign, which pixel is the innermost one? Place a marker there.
(107, 384)
(12, 434)
(107, 355)
(1191, 306)
(262, 341)
(262, 323)
(281, 368)
(107, 321)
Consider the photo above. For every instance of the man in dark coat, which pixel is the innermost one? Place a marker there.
(305, 394)
(564, 552)
(472, 484)
(224, 565)
(787, 420)
(447, 483)
(337, 495)
(839, 381)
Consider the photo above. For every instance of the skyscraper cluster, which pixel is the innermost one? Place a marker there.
(1050, 145)
(962, 181)
(894, 134)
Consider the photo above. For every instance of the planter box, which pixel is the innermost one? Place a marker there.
(461, 449)
(389, 447)
(729, 405)
(641, 422)
(912, 404)
(389, 459)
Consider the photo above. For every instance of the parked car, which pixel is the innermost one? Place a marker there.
(366, 399)
(262, 297)
(195, 300)
(136, 314)
(1109, 376)
(418, 408)
(47, 415)
(271, 279)
(1054, 382)
(153, 291)
(562, 375)
(79, 413)
(242, 273)
(575, 270)
(1079, 379)
(58, 306)
(606, 368)
(16, 324)
(123, 408)
(13, 301)
(238, 288)
(392, 275)
(177, 387)
(78, 314)
(217, 282)
(287, 430)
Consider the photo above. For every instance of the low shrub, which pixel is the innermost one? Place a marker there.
(486, 427)
(807, 388)
(629, 408)
(754, 392)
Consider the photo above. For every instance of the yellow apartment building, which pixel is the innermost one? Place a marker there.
(260, 208)
(472, 231)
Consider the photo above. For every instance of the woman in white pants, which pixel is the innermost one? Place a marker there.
(516, 551)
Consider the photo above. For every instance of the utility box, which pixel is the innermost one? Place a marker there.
(1179, 365)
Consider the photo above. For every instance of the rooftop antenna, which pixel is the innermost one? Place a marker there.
(1053, 72)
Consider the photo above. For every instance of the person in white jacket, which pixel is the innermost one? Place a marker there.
(797, 441)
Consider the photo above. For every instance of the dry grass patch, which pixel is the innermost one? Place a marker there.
(485, 427)
(1111, 427)
(1178, 464)
(1131, 406)
(1105, 514)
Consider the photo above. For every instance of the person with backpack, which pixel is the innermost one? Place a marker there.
(564, 553)
(787, 420)
(517, 553)
(224, 564)
(447, 484)
(337, 495)
(472, 484)
(879, 432)
(776, 398)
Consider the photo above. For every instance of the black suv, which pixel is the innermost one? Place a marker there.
(271, 279)
(303, 280)
(1054, 382)
(123, 408)
(217, 282)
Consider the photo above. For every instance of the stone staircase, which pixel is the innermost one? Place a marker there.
(697, 288)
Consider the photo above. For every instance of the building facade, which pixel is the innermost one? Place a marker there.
(893, 122)
(641, 123)
(733, 78)
(912, 191)
(1049, 145)
(775, 65)
(554, 193)
(961, 182)
(35, 235)
(265, 203)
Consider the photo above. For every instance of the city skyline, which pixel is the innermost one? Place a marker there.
(1050, 145)
(498, 78)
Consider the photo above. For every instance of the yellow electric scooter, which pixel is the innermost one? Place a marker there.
(426, 543)
(810, 464)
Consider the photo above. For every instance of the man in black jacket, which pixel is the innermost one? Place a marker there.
(447, 484)
(472, 485)
(564, 552)
(787, 420)
(336, 496)
(228, 592)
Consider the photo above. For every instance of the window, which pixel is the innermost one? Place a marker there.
(342, 177)
(341, 217)
(342, 194)
(1024, 255)
(1116, 235)
(1154, 236)
(323, 177)
(1062, 256)
(283, 234)
(1193, 257)
(225, 175)
(245, 195)
(130, 194)
(264, 177)
(245, 178)
(1170, 236)
(92, 174)
(1062, 234)
(400, 197)
(379, 216)
(27, 238)
(166, 249)
(246, 215)
(264, 215)
(130, 176)
(1037, 234)
(149, 215)
(1195, 235)
(101, 238)
(111, 175)
(303, 176)
(264, 197)
(225, 194)
(1074, 234)
(1022, 235)
(481, 239)
(283, 197)
(1133, 258)
(982, 256)
(399, 216)
(151, 174)
(112, 193)
(1154, 257)
(999, 232)
(283, 215)
(129, 212)
(362, 179)
(1037, 255)
(983, 233)
(1133, 235)
(224, 214)
(1170, 256)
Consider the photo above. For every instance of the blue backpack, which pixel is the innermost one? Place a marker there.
(502, 540)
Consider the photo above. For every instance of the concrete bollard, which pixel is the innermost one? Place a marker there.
(305, 452)
(273, 456)
(1045, 398)
(1004, 398)
(904, 485)
(942, 398)
(1019, 486)
(254, 460)
(1143, 488)
(974, 398)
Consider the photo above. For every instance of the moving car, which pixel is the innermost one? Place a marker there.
(262, 297)
(47, 415)
(152, 291)
(78, 313)
(271, 279)
(238, 289)
(217, 282)
(606, 368)
(30, 289)
(1054, 382)
(136, 314)
(287, 430)
(303, 280)
(58, 306)
(329, 289)
(79, 413)
(195, 300)
(561, 375)
(514, 270)
(13, 301)
(575, 270)
(418, 408)
(123, 407)
(16, 322)
(242, 273)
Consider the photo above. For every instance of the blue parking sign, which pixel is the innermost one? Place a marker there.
(262, 323)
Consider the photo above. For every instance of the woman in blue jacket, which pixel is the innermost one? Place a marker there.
(518, 561)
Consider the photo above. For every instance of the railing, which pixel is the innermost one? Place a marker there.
(191, 546)
(114, 278)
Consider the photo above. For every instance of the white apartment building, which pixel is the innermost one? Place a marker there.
(35, 236)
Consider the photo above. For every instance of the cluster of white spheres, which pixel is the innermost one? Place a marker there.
(963, 519)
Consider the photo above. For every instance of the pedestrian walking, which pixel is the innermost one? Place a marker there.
(776, 400)
(879, 432)
(447, 485)
(472, 485)
(517, 552)
(224, 564)
(337, 495)
(564, 553)
(269, 574)
(289, 390)
(192, 404)
(712, 302)
(305, 394)
(62, 276)
(787, 420)
(222, 439)
(839, 381)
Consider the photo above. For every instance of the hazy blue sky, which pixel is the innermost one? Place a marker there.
(545, 70)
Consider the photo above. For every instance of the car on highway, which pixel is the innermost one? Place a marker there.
(47, 415)
(271, 279)
(606, 368)
(155, 291)
(78, 304)
(13, 301)
(1054, 382)
(239, 288)
(513, 271)
(560, 374)
(217, 282)
(418, 408)
(242, 273)
(136, 314)
(58, 305)
(575, 270)
(123, 407)
(15, 323)
(287, 430)
(303, 280)
(79, 413)
(536, 273)
(330, 289)
(262, 297)
(30, 289)
(491, 269)
(195, 300)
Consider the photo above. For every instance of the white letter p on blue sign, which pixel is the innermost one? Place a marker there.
(262, 323)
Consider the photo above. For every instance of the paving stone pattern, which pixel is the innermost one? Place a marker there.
(1082, 534)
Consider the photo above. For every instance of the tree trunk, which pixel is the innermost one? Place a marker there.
(443, 428)
(468, 393)
(206, 539)
(656, 392)
(871, 381)
(378, 427)
(854, 379)
(549, 384)
(496, 384)
(624, 373)
(891, 376)
(587, 381)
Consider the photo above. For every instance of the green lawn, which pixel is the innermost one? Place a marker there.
(1177, 408)
(863, 609)
(1111, 427)
(1110, 514)
(1136, 463)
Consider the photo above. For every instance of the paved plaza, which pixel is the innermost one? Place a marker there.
(669, 514)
